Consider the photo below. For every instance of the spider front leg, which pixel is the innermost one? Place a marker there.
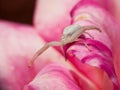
(86, 45)
(45, 47)
(89, 35)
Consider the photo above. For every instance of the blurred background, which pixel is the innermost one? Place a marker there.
(17, 10)
(22, 11)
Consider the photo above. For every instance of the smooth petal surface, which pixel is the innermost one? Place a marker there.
(18, 43)
(52, 16)
(53, 77)
(115, 10)
(92, 77)
(14, 73)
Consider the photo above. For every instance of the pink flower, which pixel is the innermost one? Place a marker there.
(84, 70)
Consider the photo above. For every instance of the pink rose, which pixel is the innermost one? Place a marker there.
(97, 69)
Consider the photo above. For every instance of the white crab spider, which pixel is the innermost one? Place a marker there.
(70, 34)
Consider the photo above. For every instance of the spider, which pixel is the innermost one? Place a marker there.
(70, 34)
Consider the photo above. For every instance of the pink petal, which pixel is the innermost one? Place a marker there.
(53, 77)
(57, 77)
(52, 16)
(99, 17)
(102, 19)
(115, 9)
(18, 43)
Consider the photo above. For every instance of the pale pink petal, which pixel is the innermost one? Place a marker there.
(18, 44)
(115, 9)
(52, 16)
(53, 77)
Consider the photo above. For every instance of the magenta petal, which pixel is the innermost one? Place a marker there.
(53, 77)
(110, 28)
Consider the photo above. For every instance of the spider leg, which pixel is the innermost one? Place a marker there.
(89, 35)
(64, 54)
(45, 47)
(86, 45)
